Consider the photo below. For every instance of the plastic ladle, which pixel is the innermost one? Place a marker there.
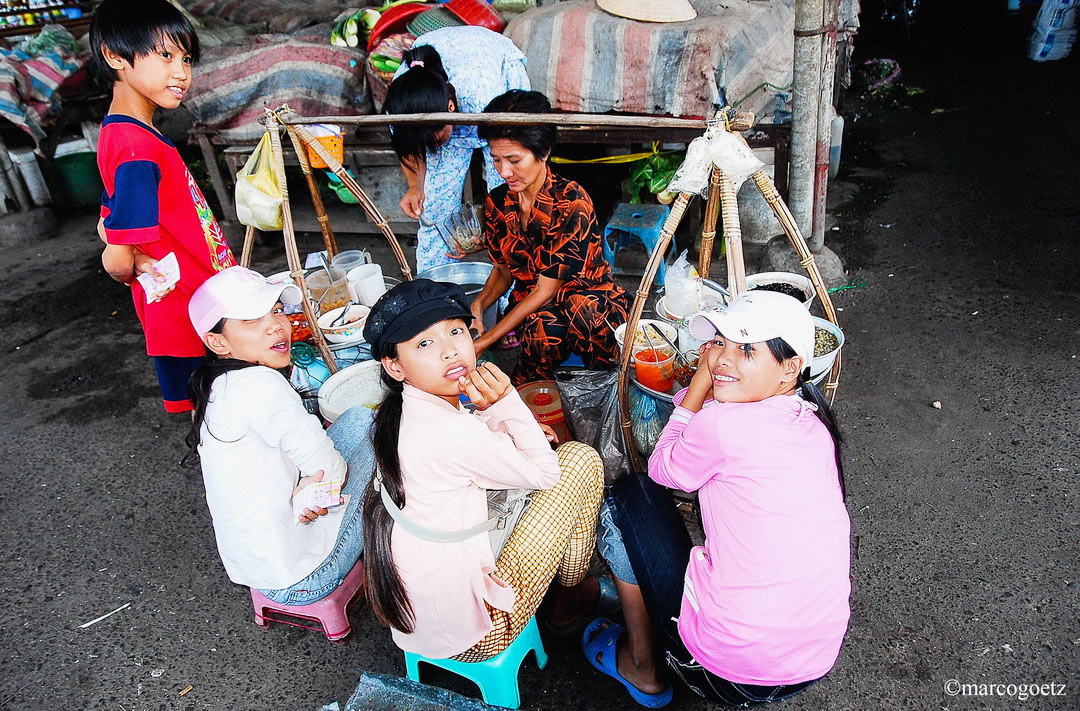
(326, 266)
(344, 313)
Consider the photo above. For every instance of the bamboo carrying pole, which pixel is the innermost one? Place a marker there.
(721, 188)
(630, 333)
(292, 254)
(249, 244)
(719, 185)
(806, 261)
(316, 199)
(729, 208)
(353, 187)
(708, 228)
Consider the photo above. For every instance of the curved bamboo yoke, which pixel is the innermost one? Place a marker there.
(722, 198)
(274, 120)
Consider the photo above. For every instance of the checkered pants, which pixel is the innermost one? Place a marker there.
(554, 537)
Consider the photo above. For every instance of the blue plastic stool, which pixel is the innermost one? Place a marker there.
(640, 222)
(497, 677)
(574, 361)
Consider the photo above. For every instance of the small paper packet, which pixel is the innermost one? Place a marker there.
(320, 495)
(168, 267)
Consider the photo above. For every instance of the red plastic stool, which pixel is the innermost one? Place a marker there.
(330, 611)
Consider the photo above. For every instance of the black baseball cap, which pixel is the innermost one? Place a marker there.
(409, 308)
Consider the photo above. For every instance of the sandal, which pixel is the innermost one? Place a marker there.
(508, 341)
(606, 603)
(600, 644)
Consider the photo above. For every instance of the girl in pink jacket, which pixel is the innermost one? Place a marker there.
(758, 613)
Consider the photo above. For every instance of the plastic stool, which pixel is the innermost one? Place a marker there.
(329, 611)
(497, 677)
(629, 222)
(573, 361)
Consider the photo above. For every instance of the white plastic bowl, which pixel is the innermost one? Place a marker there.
(800, 282)
(343, 333)
(358, 384)
(821, 364)
(667, 328)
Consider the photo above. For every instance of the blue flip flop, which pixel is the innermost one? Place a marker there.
(599, 646)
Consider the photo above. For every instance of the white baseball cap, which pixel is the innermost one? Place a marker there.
(239, 293)
(757, 316)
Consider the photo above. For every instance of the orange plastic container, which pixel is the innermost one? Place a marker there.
(655, 368)
(542, 397)
(330, 137)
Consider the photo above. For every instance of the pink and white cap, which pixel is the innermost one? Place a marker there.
(757, 316)
(237, 292)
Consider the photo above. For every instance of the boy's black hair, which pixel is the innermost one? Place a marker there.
(135, 28)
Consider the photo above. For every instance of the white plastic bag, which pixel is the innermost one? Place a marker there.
(693, 175)
(258, 195)
(730, 154)
(682, 287)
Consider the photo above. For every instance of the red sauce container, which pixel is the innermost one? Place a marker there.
(655, 368)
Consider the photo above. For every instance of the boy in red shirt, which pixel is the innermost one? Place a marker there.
(151, 206)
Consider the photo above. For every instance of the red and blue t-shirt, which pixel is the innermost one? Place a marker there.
(152, 202)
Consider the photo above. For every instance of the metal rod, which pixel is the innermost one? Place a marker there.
(816, 239)
(807, 95)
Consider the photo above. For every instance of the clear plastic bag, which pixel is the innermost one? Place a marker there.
(682, 287)
(258, 195)
(647, 419)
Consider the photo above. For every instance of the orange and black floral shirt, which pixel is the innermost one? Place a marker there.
(561, 240)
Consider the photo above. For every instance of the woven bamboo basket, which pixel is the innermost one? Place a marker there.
(721, 198)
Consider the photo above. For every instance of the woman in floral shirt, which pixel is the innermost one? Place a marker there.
(541, 233)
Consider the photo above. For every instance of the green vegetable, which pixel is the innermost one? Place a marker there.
(652, 174)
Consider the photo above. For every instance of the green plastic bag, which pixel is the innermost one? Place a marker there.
(258, 195)
(652, 174)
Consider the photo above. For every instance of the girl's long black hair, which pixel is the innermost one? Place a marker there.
(810, 392)
(199, 385)
(385, 591)
(421, 89)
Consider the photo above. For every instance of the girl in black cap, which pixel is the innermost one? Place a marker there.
(438, 587)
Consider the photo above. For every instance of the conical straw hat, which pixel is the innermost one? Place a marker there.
(650, 10)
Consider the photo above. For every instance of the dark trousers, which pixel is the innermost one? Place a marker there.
(658, 547)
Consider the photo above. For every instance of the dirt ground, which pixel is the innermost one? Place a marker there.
(957, 210)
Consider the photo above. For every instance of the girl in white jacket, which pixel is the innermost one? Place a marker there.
(259, 448)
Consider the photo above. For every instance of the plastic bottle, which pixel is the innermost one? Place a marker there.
(542, 397)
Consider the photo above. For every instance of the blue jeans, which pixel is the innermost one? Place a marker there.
(658, 547)
(349, 433)
(610, 544)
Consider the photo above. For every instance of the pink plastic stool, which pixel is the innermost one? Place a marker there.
(330, 611)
